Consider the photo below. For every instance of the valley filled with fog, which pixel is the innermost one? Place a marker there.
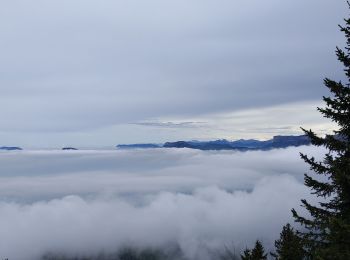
(86, 202)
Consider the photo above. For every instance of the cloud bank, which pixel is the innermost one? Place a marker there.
(85, 202)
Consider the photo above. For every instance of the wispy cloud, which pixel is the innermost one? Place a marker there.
(186, 124)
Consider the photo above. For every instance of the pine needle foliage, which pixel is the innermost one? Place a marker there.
(289, 246)
(326, 232)
(257, 253)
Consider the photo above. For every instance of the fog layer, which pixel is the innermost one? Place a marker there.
(84, 202)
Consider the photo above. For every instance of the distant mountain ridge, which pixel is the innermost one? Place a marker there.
(10, 148)
(223, 144)
(69, 149)
(145, 146)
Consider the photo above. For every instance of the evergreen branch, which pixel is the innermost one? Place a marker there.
(321, 189)
(317, 167)
(315, 140)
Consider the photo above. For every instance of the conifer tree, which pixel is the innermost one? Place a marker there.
(289, 246)
(247, 255)
(326, 232)
(257, 253)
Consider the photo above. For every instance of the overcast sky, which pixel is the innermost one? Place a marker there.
(98, 73)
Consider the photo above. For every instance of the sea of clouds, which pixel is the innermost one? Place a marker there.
(86, 202)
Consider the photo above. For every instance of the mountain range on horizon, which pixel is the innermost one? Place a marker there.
(223, 144)
(220, 144)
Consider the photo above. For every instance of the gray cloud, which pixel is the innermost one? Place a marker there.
(72, 66)
(82, 202)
